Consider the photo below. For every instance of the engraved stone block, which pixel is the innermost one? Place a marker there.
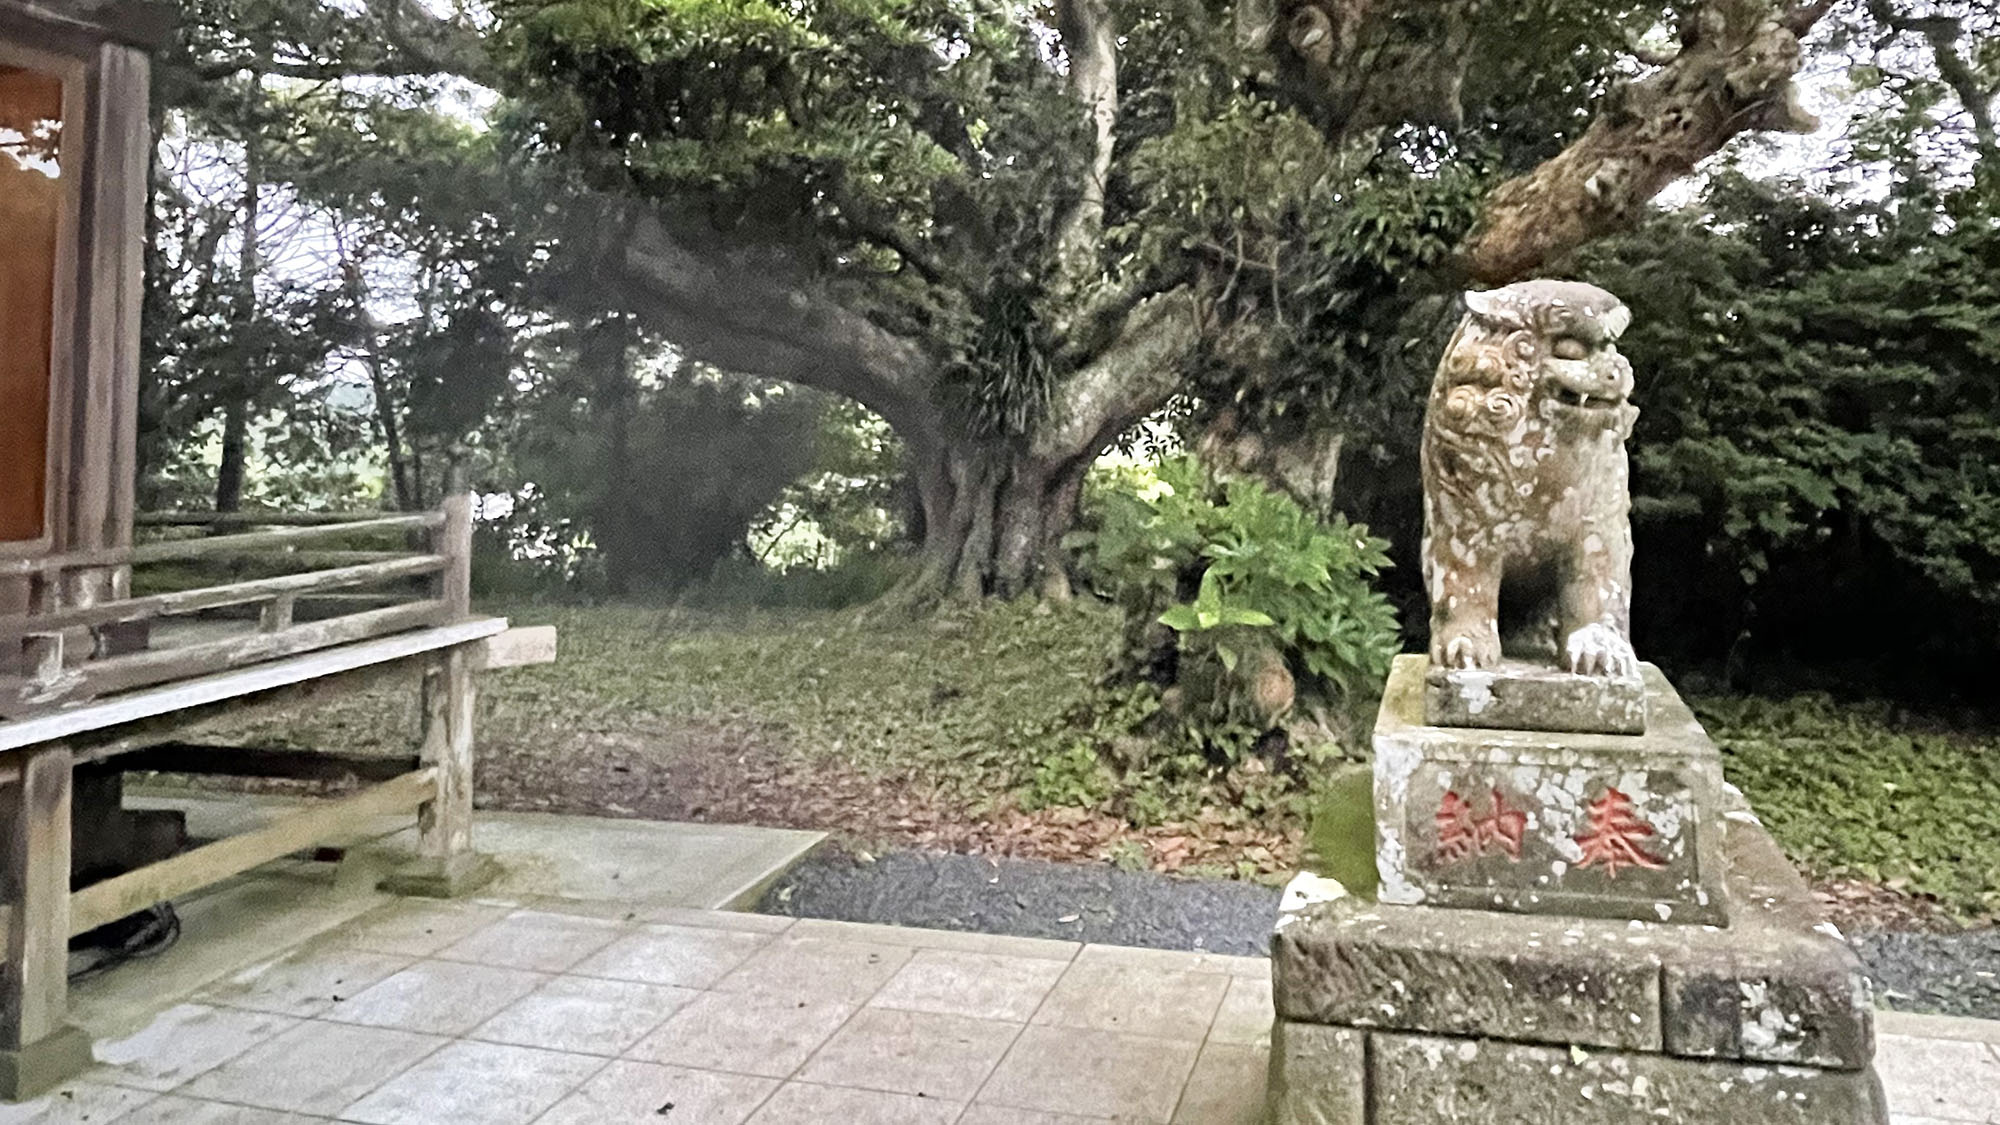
(1592, 825)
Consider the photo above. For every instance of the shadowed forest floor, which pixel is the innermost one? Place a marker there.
(897, 733)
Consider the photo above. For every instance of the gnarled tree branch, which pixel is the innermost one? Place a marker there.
(1733, 74)
(1131, 378)
(760, 309)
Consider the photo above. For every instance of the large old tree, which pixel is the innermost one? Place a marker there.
(1015, 230)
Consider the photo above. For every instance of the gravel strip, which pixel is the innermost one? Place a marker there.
(1951, 974)
(1029, 898)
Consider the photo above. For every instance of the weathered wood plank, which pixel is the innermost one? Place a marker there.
(517, 648)
(116, 897)
(250, 519)
(258, 541)
(216, 597)
(143, 669)
(102, 715)
(42, 657)
(454, 541)
(34, 990)
(259, 761)
(444, 824)
(68, 560)
(191, 724)
(217, 546)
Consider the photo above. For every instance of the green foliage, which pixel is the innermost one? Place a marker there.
(856, 580)
(1263, 571)
(1817, 397)
(852, 502)
(1072, 776)
(663, 480)
(1251, 631)
(1856, 791)
(923, 149)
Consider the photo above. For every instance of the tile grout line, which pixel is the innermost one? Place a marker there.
(1068, 965)
(1201, 1049)
(565, 1095)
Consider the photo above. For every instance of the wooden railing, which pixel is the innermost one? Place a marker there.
(71, 651)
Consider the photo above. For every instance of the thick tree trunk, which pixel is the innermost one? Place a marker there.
(995, 511)
(994, 517)
(235, 448)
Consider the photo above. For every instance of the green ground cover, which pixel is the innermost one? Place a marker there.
(1858, 791)
(978, 703)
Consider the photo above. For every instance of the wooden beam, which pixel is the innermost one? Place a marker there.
(143, 669)
(215, 546)
(34, 988)
(259, 761)
(454, 541)
(110, 714)
(190, 723)
(444, 824)
(133, 891)
(516, 648)
(215, 597)
(258, 541)
(250, 519)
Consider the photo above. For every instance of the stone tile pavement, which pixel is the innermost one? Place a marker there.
(567, 1012)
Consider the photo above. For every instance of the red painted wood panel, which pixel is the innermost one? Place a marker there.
(30, 221)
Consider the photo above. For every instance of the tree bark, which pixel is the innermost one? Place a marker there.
(235, 443)
(1091, 42)
(236, 411)
(995, 511)
(1733, 74)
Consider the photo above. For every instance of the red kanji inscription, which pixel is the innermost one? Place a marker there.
(1616, 836)
(1463, 835)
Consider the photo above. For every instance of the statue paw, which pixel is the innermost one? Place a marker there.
(1599, 650)
(1468, 650)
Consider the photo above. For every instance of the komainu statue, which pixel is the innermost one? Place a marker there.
(1525, 482)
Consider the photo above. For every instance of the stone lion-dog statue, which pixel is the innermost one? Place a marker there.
(1525, 482)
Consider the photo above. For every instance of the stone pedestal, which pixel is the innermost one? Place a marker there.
(1591, 825)
(1523, 696)
(1589, 929)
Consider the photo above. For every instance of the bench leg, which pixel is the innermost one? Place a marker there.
(446, 865)
(38, 1046)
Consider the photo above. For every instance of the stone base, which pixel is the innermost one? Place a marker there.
(1423, 1015)
(1523, 696)
(448, 877)
(1400, 1079)
(38, 1067)
(1585, 825)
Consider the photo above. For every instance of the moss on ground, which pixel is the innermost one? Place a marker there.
(1853, 790)
(961, 700)
(975, 702)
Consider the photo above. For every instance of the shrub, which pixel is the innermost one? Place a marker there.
(1258, 623)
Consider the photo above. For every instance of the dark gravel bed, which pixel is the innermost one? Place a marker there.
(1029, 898)
(1954, 974)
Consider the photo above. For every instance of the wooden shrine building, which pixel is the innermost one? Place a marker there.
(105, 664)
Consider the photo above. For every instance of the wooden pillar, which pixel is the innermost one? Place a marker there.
(38, 1047)
(455, 543)
(446, 865)
(444, 826)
